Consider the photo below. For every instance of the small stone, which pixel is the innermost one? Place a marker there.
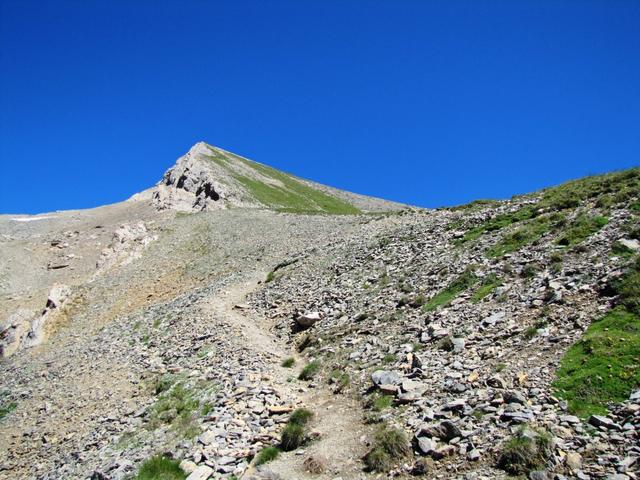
(187, 466)
(604, 422)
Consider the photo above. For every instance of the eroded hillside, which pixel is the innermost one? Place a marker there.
(237, 322)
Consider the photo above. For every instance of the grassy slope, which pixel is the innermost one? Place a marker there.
(287, 194)
(604, 366)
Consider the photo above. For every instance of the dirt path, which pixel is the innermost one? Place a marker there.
(337, 421)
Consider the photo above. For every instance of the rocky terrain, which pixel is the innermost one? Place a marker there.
(235, 321)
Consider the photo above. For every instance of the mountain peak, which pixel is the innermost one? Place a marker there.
(210, 178)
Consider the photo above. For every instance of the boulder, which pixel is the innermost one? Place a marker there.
(385, 377)
(308, 320)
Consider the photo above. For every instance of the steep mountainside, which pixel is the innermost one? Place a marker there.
(235, 321)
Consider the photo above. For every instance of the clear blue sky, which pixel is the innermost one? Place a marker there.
(424, 102)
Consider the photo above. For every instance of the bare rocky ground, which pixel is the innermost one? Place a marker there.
(147, 331)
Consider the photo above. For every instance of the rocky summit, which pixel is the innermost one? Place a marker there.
(235, 321)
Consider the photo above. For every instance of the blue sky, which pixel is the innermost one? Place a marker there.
(424, 102)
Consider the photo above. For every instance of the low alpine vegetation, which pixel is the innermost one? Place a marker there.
(390, 446)
(603, 366)
(309, 371)
(266, 455)
(176, 407)
(581, 228)
(288, 362)
(466, 280)
(294, 434)
(160, 468)
(526, 451)
(488, 285)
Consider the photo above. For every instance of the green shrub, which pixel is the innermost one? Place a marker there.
(160, 468)
(267, 454)
(309, 371)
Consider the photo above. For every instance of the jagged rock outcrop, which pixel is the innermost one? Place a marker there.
(24, 329)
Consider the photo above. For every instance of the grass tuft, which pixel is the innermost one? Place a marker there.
(581, 228)
(309, 371)
(528, 450)
(300, 416)
(293, 436)
(160, 468)
(389, 447)
(288, 362)
(267, 454)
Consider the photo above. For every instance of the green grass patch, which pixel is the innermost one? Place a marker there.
(525, 235)
(581, 228)
(294, 434)
(476, 205)
(309, 371)
(176, 407)
(466, 280)
(488, 285)
(389, 358)
(627, 287)
(621, 250)
(603, 366)
(267, 454)
(160, 468)
(289, 194)
(7, 408)
(288, 362)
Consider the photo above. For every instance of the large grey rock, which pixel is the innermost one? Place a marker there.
(385, 377)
